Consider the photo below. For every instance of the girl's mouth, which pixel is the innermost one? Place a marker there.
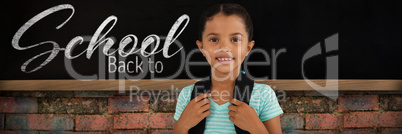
(225, 60)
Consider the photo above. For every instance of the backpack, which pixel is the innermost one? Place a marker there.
(242, 91)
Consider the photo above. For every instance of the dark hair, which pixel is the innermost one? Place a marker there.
(227, 9)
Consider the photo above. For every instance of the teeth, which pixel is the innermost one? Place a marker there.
(225, 59)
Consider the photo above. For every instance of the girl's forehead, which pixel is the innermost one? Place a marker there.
(225, 24)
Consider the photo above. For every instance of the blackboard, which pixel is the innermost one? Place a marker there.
(367, 37)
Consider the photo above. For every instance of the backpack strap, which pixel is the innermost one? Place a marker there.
(242, 91)
(200, 87)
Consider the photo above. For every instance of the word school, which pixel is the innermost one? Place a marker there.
(96, 40)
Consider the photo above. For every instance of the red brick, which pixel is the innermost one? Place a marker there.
(359, 131)
(308, 104)
(38, 93)
(1, 121)
(131, 121)
(39, 122)
(391, 131)
(361, 119)
(164, 103)
(70, 132)
(18, 132)
(93, 122)
(391, 119)
(322, 93)
(391, 102)
(309, 132)
(18, 105)
(358, 102)
(72, 105)
(124, 104)
(324, 121)
(161, 131)
(95, 93)
(292, 121)
(130, 132)
(161, 120)
(395, 92)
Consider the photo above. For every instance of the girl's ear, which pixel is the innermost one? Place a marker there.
(250, 45)
(200, 46)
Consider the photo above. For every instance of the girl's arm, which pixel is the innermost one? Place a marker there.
(179, 129)
(273, 125)
(195, 111)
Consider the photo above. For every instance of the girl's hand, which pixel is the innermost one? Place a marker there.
(245, 117)
(196, 110)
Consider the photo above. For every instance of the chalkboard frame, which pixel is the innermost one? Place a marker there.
(178, 84)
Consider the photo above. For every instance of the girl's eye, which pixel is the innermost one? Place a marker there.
(213, 40)
(236, 40)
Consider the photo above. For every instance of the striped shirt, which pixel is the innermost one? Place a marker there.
(263, 100)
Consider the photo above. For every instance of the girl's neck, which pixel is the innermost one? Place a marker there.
(224, 81)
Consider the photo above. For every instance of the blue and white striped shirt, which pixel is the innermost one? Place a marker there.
(263, 100)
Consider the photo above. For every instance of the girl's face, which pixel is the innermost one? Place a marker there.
(225, 43)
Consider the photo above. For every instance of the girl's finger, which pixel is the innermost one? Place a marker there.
(202, 103)
(232, 113)
(205, 114)
(201, 97)
(232, 108)
(236, 101)
(205, 107)
(231, 118)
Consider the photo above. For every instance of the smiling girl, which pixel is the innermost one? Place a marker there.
(225, 39)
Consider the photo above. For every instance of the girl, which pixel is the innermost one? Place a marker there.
(225, 39)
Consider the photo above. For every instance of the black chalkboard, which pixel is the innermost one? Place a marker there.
(364, 37)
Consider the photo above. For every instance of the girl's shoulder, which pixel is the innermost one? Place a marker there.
(185, 93)
(187, 89)
(262, 88)
(262, 92)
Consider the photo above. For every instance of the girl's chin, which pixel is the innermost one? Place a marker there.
(224, 70)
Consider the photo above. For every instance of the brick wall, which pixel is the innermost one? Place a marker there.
(104, 112)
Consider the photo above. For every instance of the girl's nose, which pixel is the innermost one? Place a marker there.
(223, 48)
(224, 44)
